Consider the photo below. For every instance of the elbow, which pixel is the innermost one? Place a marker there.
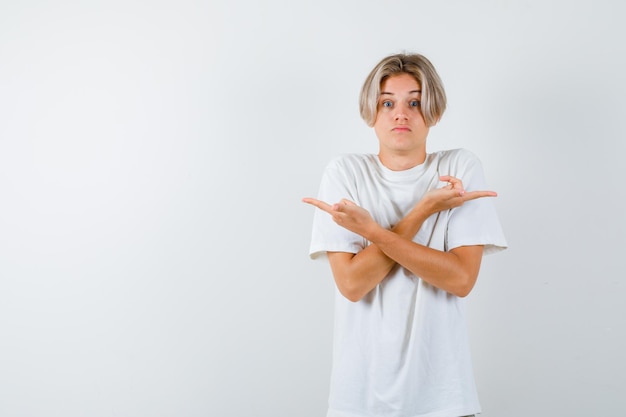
(354, 297)
(462, 292)
(351, 294)
(464, 285)
(351, 291)
(465, 270)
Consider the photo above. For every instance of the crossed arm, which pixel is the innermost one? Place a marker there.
(357, 274)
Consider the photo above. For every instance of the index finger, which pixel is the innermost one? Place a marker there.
(319, 204)
(472, 195)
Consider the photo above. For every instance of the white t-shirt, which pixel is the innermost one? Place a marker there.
(402, 350)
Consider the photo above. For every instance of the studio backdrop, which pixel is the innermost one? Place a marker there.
(153, 154)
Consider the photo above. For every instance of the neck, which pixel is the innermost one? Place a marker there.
(402, 162)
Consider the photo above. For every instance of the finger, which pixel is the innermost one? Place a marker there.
(445, 179)
(455, 183)
(342, 205)
(347, 202)
(450, 179)
(472, 195)
(337, 219)
(319, 204)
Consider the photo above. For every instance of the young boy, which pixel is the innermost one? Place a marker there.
(404, 233)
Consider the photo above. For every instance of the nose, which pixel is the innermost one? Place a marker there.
(402, 113)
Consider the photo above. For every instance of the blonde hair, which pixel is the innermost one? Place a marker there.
(433, 102)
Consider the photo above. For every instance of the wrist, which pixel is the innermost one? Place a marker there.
(375, 233)
(421, 211)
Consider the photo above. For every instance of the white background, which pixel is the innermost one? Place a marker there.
(153, 246)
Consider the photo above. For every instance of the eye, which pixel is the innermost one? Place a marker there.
(414, 103)
(387, 103)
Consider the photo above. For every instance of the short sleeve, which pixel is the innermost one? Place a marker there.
(337, 183)
(475, 222)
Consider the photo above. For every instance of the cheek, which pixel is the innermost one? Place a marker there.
(378, 130)
(418, 115)
(381, 123)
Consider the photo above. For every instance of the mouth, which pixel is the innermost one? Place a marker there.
(401, 129)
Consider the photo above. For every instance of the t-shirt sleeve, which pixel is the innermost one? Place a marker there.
(475, 222)
(337, 183)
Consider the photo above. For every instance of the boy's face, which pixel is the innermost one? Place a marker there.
(399, 124)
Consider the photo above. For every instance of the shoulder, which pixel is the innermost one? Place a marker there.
(351, 163)
(459, 154)
(457, 159)
(344, 175)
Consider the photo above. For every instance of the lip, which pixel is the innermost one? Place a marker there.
(401, 129)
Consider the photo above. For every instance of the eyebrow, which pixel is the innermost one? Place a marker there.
(391, 94)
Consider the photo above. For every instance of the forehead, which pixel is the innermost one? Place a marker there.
(400, 83)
